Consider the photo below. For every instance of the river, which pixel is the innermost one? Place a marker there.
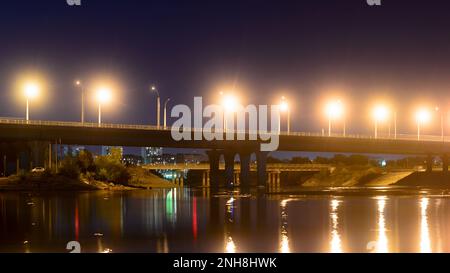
(183, 220)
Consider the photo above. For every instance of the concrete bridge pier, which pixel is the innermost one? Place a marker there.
(244, 175)
(444, 158)
(429, 163)
(261, 159)
(273, 181)
(229, 168)
(213, 156)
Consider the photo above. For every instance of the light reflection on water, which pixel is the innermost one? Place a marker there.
(335, 241)
(180, 220)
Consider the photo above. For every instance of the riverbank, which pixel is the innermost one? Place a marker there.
(140, 179)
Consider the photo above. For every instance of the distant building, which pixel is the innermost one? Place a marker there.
(132, 160)
(149, 153)
(106, 150)
(72, 150)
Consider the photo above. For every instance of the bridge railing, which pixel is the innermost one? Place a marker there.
(254, 134)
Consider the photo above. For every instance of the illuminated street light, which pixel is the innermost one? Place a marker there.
(284, 107)
(31, 92)
(158, 105)
(229, 104)
(380, 114)
(80, 85)
(103, 96)
(165, 112)
(334, 110)
(422, 116)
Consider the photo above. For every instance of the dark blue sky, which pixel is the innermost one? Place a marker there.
(302, 49)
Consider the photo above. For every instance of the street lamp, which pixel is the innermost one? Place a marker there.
(380, 114)
(158, 105)
(31, 91)
(103, 96)
(334, 110)
(165, 112)
(284, 107)
(80, 85)
(229, 104)
(422, 116)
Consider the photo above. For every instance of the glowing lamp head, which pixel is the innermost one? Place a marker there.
(284, 106)
(334, 109)
(423, 116)
(380, 113)
(31, 90)
(153, 88)
(103, 95)
(78, 83)
(229, 103)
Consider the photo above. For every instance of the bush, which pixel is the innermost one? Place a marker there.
(69, 167)
(110, 169)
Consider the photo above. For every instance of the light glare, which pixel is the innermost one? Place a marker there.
(31, 90)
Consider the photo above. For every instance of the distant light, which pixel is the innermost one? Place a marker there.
(104, 95)
(380, 113)
(31, 90)
(334, 109)
(284, 106)
(153, 88)
(423, 116)
(230, 103)
(78, 82)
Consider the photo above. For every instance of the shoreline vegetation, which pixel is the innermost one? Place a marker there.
(349, 174)
(84, 172)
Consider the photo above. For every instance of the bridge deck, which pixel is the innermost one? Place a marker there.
(75, 133)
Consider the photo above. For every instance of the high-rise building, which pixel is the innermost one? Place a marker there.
(148, 153)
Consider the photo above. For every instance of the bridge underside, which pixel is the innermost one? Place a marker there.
(17, 142)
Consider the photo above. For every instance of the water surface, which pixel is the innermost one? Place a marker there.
(183, 220)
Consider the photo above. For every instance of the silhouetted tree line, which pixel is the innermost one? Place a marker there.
(108, 168)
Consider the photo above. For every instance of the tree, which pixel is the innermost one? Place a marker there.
(85, 161)
(69, 167)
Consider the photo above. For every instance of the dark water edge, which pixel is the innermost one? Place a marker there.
(199, 220)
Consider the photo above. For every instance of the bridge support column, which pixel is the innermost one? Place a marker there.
(38, 151)
(229, 168)
(213, 156)
(278, 180)
(181, 179)
(244, 175)
(204, 174)
(444, 159)
(261, 160)
(429, 163)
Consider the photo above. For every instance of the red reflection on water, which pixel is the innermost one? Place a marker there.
(194, 217)
(77, 224)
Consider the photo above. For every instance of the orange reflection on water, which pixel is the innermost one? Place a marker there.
(284, 239)
(382, 245)
(335, 242)
(425, 242)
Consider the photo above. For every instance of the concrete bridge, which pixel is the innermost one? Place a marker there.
(39, 135)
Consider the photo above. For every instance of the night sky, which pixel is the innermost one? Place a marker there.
(305, 50)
